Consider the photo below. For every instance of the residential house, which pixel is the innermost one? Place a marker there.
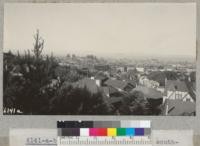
(63, 64)
(149, 93)
(111, 92)
(122, 86)
(102, 67)
(177, 90)
(153, 97)
(130, 68)
(140, 69)
(100, 78)
(128, 76)
(143, 80)
(120, 69)
(89, 84)
(133, 74)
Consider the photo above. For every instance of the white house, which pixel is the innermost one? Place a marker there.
(177, 90)
(140, 69)
(143, 80)
(121, 69)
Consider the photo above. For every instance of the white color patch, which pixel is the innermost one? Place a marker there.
(84, 132)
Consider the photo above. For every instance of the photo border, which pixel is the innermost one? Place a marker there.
(158, 122)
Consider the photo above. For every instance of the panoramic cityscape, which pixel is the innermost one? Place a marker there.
(101, 63)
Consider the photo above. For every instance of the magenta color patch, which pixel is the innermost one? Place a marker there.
(93, 131)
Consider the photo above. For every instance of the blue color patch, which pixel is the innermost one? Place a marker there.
(130, 131)
(139, 131)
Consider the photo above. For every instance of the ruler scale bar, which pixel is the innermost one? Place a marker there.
(103, 141)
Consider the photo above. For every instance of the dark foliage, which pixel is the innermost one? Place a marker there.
(134, 104)
(78, 101)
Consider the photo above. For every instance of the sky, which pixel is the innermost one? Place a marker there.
(103, 29)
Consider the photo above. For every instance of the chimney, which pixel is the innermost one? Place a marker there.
(165, 81)
(189, 79)
(98, 83)
(167, 108)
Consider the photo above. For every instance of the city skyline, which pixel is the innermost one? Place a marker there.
(107, 30)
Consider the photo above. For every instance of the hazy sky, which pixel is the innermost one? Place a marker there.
(105, 29)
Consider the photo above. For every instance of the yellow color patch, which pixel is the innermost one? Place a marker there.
(112, 132)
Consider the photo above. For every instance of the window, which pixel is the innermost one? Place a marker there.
(178, 96)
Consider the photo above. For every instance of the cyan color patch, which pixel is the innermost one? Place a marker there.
(130, 131)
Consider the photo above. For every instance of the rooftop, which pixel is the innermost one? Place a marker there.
(180, 108)
(176, 85)
(89, 84)
(116, 83)
(148, 92)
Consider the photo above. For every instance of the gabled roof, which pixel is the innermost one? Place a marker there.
(113, 100)
(128, 75)
(109, 90)
(148, 92)
(176, 85)
(132, 71)
(191, 89)
(88, 83)
(178, 107)
(124, 76)
(100, 76)
(116, 83)
(194, 85)
(132, 82)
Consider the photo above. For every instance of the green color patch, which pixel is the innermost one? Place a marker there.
(121, 131)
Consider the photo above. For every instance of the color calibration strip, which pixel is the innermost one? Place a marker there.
(104, 124)
(104, 128)
(104, 131)
(84, 133)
